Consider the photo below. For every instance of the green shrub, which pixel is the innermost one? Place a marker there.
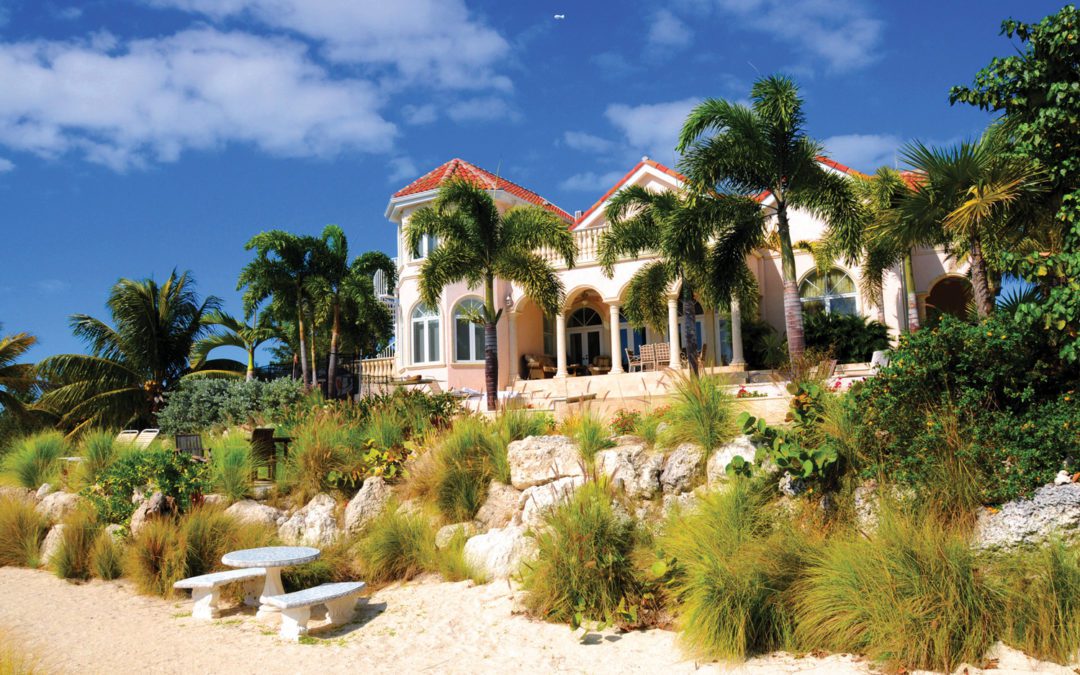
(98, 450)
(396, 546)
(155, 558)
(207, 533)
(469, 457)
(106, 557)
(232, 466)
(701, 412)
(583, 569)
(764, 348)
(34, 460)
(589, 432)
(173, 474)
(22, 529)
(624, 421)
(327, 451)
(1042, 601)
(910, 595)
(732, 562)
(384, 431)
(850, 338)
(206, 404)
(72, 559)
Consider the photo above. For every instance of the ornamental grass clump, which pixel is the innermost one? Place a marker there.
(22, 529)
(396, 546)
(589, 432)
(732, 560)
(469, 457)
(517, 424)
(155, 558)
(207, 533)
(98, 450)
(35, 460)
(72, 559)
(584, 568)
(701, 412)
(326, 448)
(106, 556)
(232, 466)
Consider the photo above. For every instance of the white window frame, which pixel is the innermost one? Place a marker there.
(430, 320)
(827, 300)
(428, 243)
(476, 342)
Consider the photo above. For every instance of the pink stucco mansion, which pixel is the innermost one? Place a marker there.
(438, 343)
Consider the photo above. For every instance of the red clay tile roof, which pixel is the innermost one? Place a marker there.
(840, 167)
(622, 181)
(459, 168)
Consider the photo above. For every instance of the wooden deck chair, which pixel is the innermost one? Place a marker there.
(146, 437)
(127, 436)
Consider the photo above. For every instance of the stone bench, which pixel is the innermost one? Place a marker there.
(339, 600)
(206, 589)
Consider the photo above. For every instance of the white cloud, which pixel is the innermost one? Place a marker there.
(667, 31)
(865, 152)
(67, 13)
(401, 168)
(51, 286)
(590, 181)
(127, 104)
(436, 42)
(419, 114)
(482, 109)
(653, 127)
(586, 142)
(6, 165)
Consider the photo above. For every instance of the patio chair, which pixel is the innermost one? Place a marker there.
(647, 360)
(127, 436)
(191, 444)
(540, 366)
(662, 355)
(601, 365)
(145, 438)
(264, 448)
(633, 361)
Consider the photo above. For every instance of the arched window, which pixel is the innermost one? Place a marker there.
(468, 335)
(833, 293)
(425, 335)
(584, 317)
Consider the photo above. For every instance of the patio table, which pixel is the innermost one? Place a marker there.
(273, 559)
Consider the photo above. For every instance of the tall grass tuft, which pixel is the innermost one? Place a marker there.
(106, 557)
(589, 432)
(232, 466)
(647, 425)
(733, 561)
(15, 659)
(98, 451)
(156, 558)
(470, 456)
(206, 533)
(337, 563)
(584, 568)
(450, 561)
(35, 459)
(72, 557)
(911, 595)
(517, 424)
(324, 446)
(1042, 601)
(384, 430)
(701, 412)
(396, 546)
(22, 529)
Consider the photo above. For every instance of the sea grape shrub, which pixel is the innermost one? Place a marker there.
(177, 476)
(200, 405)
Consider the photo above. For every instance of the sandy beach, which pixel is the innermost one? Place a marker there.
(423, 626)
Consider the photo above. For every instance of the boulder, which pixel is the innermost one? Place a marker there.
(251, 511)
(57, 505)
(541, 459)
(42, 491)
(1052, 510)
(633, 468)
(539, 499)
(716, 468)
(681, 501)
(154, 507)
(313, 525)
(446, 534)
(500, 507)
(215, 500)
(498, 553)
(51, 545)
(628, 439)
(681, 468)
(116, 531)
(367, 504)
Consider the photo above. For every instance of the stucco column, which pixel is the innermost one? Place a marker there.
(511, 336)
(737, 358)
(673, 331)
(560, 344)
(616, 338)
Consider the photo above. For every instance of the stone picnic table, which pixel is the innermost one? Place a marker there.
(273, 559)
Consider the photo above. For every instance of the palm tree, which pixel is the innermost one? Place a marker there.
(131, 363)
(231, 332)
(763, 148)
(15, 378)
(975, 195)
(340, 286)
(283, 262)
(682, 231)
(478, 244)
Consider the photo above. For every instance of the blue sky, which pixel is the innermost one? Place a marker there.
(141, 135)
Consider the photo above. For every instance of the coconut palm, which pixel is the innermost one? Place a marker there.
(763, 148)
(684, 232)
(15, 378)
(134, 361)
(477, 244)
(281, 268)
(231, 332)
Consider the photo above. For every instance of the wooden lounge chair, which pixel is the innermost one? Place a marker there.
(145, 438)
(191, 444)
(633, 361)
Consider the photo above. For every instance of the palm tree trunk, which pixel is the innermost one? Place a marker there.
(250, 365)
(793, 320)
(912, 295)
(980, 286)
(295, 365)
(491, 347)
(331, 368)
(689, 327)
(314, 361)
(303, 344)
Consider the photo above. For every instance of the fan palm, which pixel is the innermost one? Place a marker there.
(478, 244)
(131, 363)
(282, 265)
(15, 378)
(231, 332)
(681, 230)
(763, 148)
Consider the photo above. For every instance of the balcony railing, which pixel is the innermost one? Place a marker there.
(588, 248)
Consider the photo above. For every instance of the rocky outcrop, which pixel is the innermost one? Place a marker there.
(313, 525)
(500, 507)
(367, 504)
(42, 491)
(716, 467)
(632, 468)
(539, 499)
(251, 511)
(541, 459)
(57, 505)
(1054, 510)
(498, 553)
(446, 534)
(154, 507)
(51, 545)
(682, 468)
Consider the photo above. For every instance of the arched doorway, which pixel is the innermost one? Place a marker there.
(950, 295)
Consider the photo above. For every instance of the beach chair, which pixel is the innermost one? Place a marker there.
(127, 436)
(191, 444)
(145, 438)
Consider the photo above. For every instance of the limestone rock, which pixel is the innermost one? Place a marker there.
(791, 486)
(215, 500)
(57, 505)
(1052, 510)
(51, 545)
(500, 507)
(539, 499)
(116, 531)
(367, 504)
(541, 459)
(628, 439)
(682, 501)
(681, 468)
(1062, 478)
(314, 525)
(633, 468)
(498, 553)
(716, 468)
(45, 489)
(446, 534)
(251, 511)
(154, 507)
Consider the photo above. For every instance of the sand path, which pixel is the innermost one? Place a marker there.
(426, 626)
